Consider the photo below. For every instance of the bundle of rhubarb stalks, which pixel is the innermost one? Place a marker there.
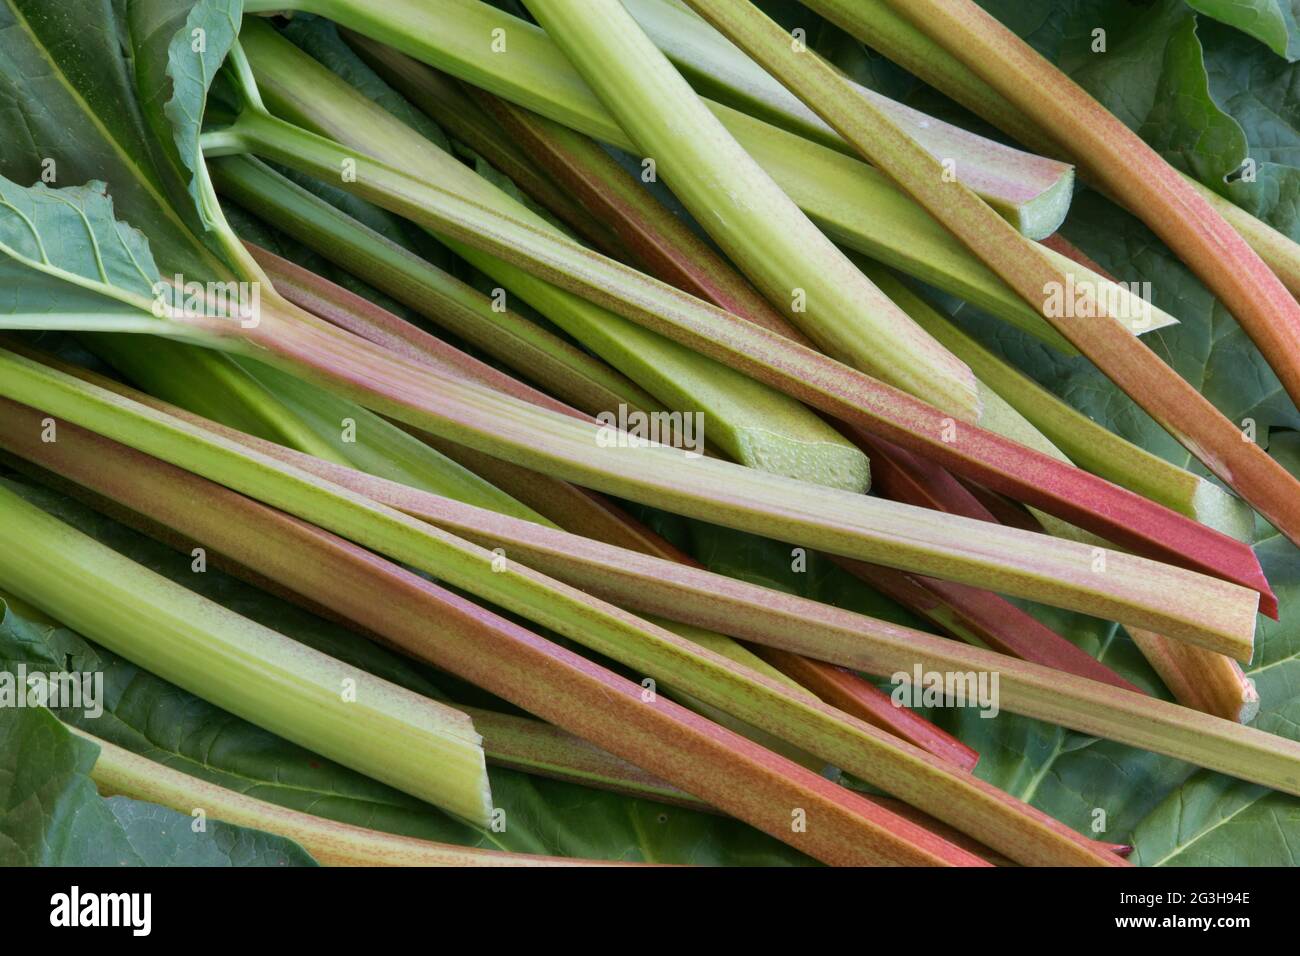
(540, 433)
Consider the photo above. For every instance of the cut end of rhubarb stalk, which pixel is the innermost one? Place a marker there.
(1039, 217)
(825, 463)
(1225, 512)
(1129, 309)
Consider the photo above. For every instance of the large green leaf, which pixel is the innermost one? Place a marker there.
(1272, 22)
(64, 256)
(52, 815)
(1260, 94)
(81, 111)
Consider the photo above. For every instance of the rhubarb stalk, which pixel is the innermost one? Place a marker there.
(118, 772)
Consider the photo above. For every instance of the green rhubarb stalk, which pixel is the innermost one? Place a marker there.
(854, 398)
(797, 268)
(853, 203)
(444, 101)
(119, 772)
(928, 782)
(453, 305)
(1031, 192)
(422, 747)
(1171, 401)
(751, 422)
(520, 743)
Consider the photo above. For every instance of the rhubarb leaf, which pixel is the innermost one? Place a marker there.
(83, 117)
(1213, 820)
(201, 35)
(63, 255)
(52, 815)
(1259, 93)
(1272, 22)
